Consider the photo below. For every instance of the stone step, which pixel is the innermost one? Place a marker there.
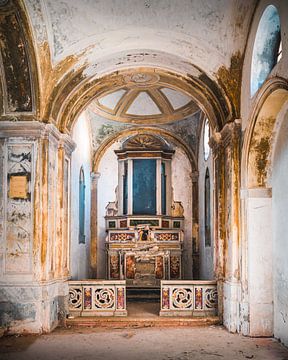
(126, 322)
(143, 294)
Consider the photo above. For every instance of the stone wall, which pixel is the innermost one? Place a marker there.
(34, 217)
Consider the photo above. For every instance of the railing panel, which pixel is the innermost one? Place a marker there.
(191, 298)
(97, 298)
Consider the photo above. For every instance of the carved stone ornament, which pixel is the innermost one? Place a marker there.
(141, 79)
(145, 141)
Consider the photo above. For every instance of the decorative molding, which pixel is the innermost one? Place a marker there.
(226, 136)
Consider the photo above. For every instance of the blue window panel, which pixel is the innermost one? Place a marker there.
(144, 187)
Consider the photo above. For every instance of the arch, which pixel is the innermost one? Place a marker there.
(257, 194)
(68, 103)
(257, 144)
(19, 85)
(143, 130)
(266, 47)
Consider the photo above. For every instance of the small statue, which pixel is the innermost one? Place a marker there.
(111, 209)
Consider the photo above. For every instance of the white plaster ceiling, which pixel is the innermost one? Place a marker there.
(144, 97)
(206, 32)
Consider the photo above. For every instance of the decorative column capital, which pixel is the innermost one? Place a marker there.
(224, 138)
(95, 176)
(195, 176)
(67, 143)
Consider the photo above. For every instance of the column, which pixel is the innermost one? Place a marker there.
(259, 274)
(32, 276)
(94, 226)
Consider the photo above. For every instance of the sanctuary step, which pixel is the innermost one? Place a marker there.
(144, 322)
(143, 294)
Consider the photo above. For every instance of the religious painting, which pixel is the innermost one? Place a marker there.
(165, 224)
(123, 224)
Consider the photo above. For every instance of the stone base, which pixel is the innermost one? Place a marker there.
(98, 313)
(33, 308)
(187, 313)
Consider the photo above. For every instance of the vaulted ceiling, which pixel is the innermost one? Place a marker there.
(66, 48)
(142, 98)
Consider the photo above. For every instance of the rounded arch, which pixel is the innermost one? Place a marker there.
(258, 140)
(71, 101)
(258, 230)
(143, 130)
(19, 68)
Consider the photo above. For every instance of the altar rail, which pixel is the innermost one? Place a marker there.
(97, 298)
(188, 298)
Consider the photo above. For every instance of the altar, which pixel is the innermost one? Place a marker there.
(143, 255)
(144, 225)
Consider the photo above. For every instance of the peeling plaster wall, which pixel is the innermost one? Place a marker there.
(280, 230)
(81, 157)
(181, 178)
(192, 29)
(33, 235)
(107, 183)
(206, 252)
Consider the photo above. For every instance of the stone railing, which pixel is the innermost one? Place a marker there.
(188, 298)
(97, 298)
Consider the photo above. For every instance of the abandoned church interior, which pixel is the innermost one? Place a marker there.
(144, 150)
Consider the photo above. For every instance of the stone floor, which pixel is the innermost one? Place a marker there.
(196, 343)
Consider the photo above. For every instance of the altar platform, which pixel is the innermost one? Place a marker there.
(140, 315)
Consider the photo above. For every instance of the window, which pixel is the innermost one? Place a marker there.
(267, 50)
(206, 137)
(207, 210)
(81, 207)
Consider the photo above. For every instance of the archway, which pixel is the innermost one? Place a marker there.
(264, 146)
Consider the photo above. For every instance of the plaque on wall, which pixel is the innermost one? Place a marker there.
(18, 187)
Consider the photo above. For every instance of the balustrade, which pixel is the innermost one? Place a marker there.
(188, 298)
(97, 298)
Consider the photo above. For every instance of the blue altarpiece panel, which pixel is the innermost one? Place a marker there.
(144, 186)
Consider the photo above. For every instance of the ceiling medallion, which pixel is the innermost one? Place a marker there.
(141, 79)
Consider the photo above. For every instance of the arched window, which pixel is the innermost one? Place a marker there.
(206, 136)
(81, 207)
(207, 210)
(267, 50)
